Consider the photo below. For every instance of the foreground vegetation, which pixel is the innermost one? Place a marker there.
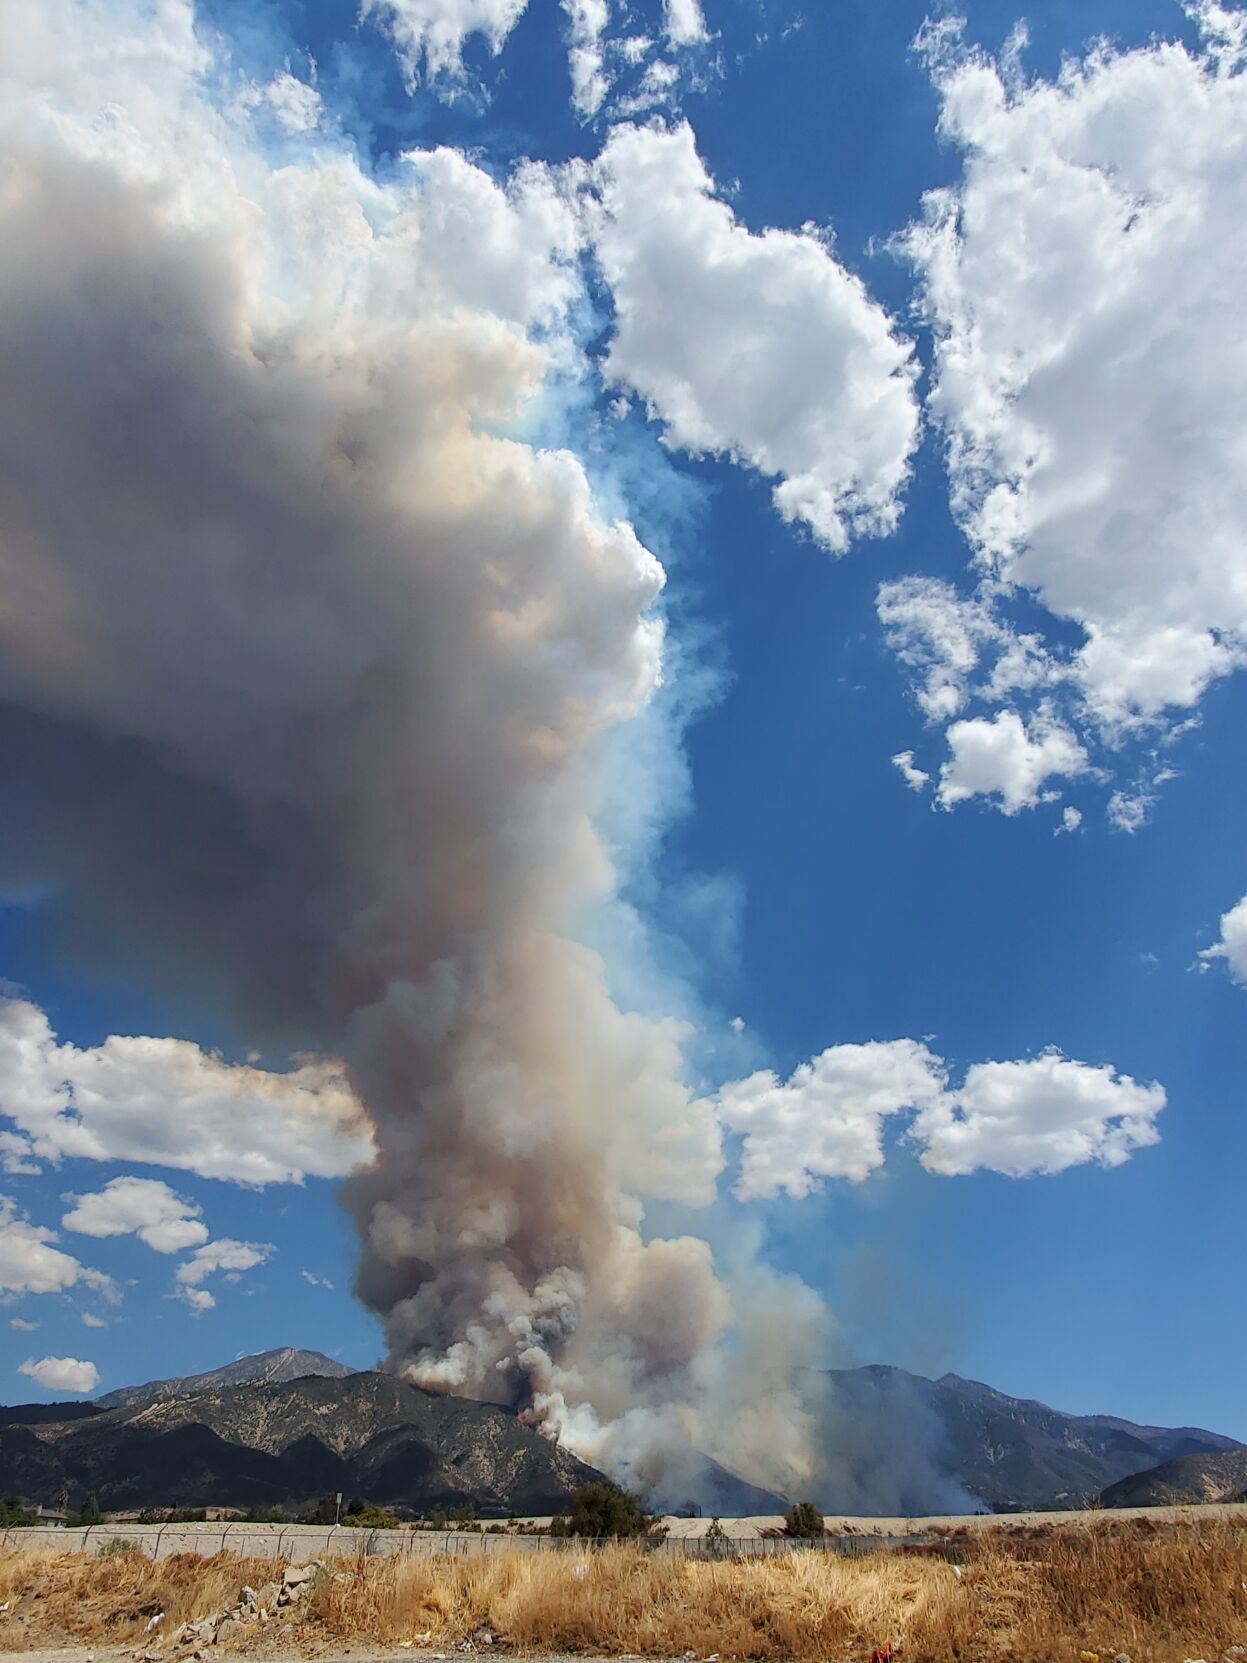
(1158, 1593)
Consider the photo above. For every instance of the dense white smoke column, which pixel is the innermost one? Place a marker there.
(303, 673)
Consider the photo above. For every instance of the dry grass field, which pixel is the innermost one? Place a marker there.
(1163, 1593)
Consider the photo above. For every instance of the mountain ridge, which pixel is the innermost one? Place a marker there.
(260, 1368)
(1009, 1453)
(1187, 1479)
(287, 1443)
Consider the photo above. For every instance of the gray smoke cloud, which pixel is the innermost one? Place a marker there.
(306, 670)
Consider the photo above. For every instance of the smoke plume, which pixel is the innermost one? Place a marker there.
(306, 668)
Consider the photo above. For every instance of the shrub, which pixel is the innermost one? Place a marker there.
(602, 1509)
(803, 1520)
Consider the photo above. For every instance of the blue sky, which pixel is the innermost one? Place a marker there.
(935, 782)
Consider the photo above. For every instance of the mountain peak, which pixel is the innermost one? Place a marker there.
(262, 1368)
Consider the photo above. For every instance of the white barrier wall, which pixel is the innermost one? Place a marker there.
(297, 1543)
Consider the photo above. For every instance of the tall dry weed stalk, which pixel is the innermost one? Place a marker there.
(1160, 1594)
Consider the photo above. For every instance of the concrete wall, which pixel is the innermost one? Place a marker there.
(297, 1543)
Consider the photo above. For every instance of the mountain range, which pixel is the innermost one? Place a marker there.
(286, 1443)
(1008, 1453)
(285, 1427)
(263, 1368)
(1187, 1478)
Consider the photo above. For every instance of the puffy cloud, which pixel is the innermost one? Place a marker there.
(296, 105)
(1232, 947)
(1004, 757)
(1041, 1115)
(30, 1264)
(1083, 279)
(138, 1206)
(61, 1374)
(915, 778)
(15, 1155)
(586, 57)
(826, 1120)
(763, 346)
(933, 629)
(22, 1325)
(1071, 819)
(1128, 810)
(429, 35)
(226, 1255)
(90, 1320)
(167, 1102)
(506, 249)
(683, 23)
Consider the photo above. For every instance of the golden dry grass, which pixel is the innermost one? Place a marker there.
(1160, 1595)
(108, 1598)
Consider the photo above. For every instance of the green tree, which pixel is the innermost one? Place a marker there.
(804, 1520)
(605, 1510)
(88, 1514)
(715, 1542)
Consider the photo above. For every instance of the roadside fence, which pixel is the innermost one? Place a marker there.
(297, 1543)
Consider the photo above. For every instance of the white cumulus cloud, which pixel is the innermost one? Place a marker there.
(826, 1120)
(761, 347)
(1041, 1115)
(144, 1207)
(586, 55)
(227, 1256)
(61, 1374)
(683, 23)
(1003, 757)
(1232, 947)
(166, 1102)
(1037, 1116)
(296, 104)
(30, 1264)
(915, 778)
(429, 35)
(1083, 279)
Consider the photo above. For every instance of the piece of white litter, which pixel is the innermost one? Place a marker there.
(155, 1622)
(957, 1572)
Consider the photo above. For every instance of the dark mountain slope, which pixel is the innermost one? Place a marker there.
(1009, 1452)
(286, 1444)
(1186, 1479)
(265, 1368)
